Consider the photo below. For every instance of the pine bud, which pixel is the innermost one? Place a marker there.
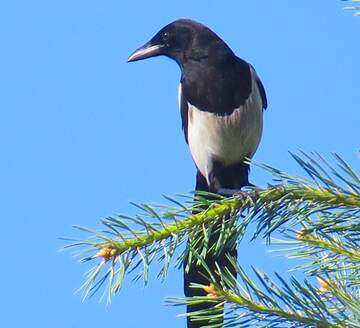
(210, 290)
(107, 253)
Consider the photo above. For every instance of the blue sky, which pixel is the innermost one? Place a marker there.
(82, 132)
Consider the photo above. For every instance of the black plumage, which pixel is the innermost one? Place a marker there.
(221, 102)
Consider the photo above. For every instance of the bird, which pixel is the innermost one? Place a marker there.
(221, 100)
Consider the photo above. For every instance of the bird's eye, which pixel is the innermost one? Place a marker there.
(166, 36)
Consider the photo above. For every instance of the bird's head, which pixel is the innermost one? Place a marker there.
(182, 40)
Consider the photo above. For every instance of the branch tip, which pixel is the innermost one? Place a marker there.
(107, 253)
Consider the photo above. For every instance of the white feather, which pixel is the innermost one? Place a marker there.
(231, 138)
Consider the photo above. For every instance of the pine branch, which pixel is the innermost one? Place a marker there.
(122, 244)
(354, 7)
(298, 304)
(269, 304)
(334, 246)
(319, 218)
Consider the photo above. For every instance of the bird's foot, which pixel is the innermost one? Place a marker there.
(249, 194)
(232, 192)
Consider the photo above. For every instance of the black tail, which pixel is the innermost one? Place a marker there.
(197, 273)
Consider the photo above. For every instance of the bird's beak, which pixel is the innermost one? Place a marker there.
(146, 51)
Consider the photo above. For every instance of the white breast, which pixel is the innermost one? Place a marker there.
(228, 139)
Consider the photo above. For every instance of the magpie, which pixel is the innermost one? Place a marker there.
(221, 101)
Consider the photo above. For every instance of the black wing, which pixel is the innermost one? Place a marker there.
(262, 93)
(261, 89)
(184, 107)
